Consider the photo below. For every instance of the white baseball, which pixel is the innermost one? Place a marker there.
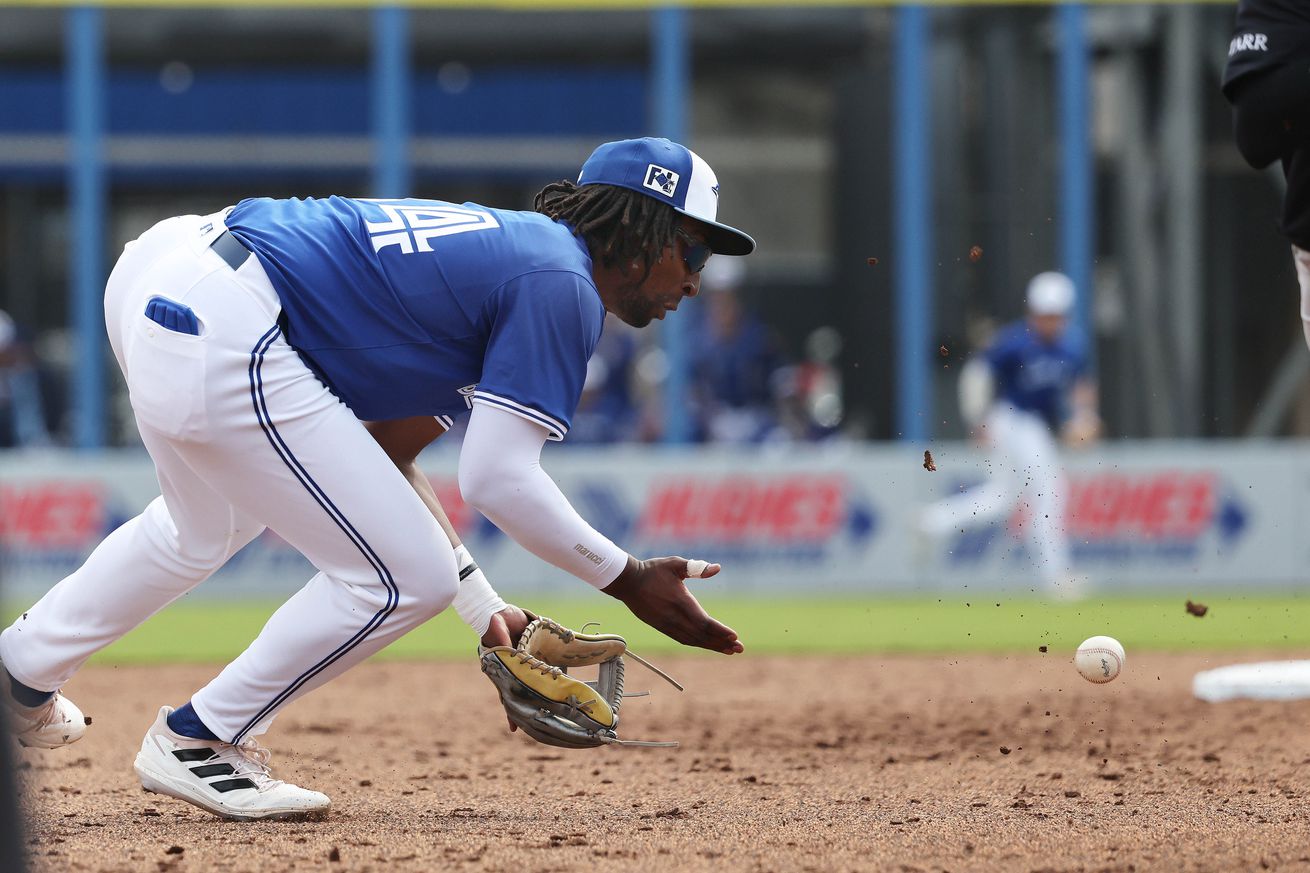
(1099, 659)
(695, 567)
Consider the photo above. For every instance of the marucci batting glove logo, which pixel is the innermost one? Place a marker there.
(661, 179)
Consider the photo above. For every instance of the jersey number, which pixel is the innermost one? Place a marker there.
(413, 227)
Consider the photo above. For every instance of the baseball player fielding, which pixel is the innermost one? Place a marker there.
(287, 360)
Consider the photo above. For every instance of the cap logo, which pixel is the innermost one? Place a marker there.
(660, 179)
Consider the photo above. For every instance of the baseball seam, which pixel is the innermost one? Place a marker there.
(1118, 664)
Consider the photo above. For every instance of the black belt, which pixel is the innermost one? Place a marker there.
(230, 249)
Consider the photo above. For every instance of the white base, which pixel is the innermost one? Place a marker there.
(1269, 680)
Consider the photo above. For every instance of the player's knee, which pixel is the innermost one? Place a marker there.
(432, 595)
(431, 583)
(441, 591)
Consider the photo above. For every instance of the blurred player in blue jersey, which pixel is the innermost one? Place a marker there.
(1030, 385)
(1267, 80)
(287, 360)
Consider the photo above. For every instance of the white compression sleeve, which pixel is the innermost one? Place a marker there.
(476, 601)
(500, 474)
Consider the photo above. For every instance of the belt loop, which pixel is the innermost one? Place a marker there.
(230, 249)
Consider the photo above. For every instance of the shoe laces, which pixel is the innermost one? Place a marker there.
(248, 758)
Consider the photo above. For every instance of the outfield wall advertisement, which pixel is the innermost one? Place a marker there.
(839, 519)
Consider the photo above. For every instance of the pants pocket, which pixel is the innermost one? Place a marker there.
(166, 379)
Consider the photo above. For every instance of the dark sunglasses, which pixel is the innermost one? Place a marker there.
(694, 252)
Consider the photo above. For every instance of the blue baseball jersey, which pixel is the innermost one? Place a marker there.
(421, 307)
(1034, 375)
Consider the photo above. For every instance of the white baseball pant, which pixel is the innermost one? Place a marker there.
(243, 436)
(1301, 258)
(1025, 467)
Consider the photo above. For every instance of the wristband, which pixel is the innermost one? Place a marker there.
(476, 601)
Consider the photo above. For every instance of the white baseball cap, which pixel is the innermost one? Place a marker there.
(672, 174)
(1050, 294)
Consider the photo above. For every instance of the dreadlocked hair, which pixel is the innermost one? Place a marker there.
(618, 225)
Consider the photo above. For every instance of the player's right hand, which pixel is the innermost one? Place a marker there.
(655, 592)
(1081, 431)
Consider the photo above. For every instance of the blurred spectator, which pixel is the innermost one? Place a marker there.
(608, 412)
(810, 392)
(22, 415)
(736, 363)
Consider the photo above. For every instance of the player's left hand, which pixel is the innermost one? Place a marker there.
(552, 706)
(507, 626)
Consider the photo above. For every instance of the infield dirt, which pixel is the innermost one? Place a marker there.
(853, 763)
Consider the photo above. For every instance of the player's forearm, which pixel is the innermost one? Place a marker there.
(533, 511)
(403, 440)
(418, 480)
(977, 390)
(1085, 398)
(500, 474)
(476, 601)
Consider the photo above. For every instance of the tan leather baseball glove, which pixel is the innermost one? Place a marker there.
(551, 706)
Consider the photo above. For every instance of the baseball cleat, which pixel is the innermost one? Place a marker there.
(53, 724)
(229, 780)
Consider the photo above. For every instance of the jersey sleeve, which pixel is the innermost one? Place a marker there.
(545, 326)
